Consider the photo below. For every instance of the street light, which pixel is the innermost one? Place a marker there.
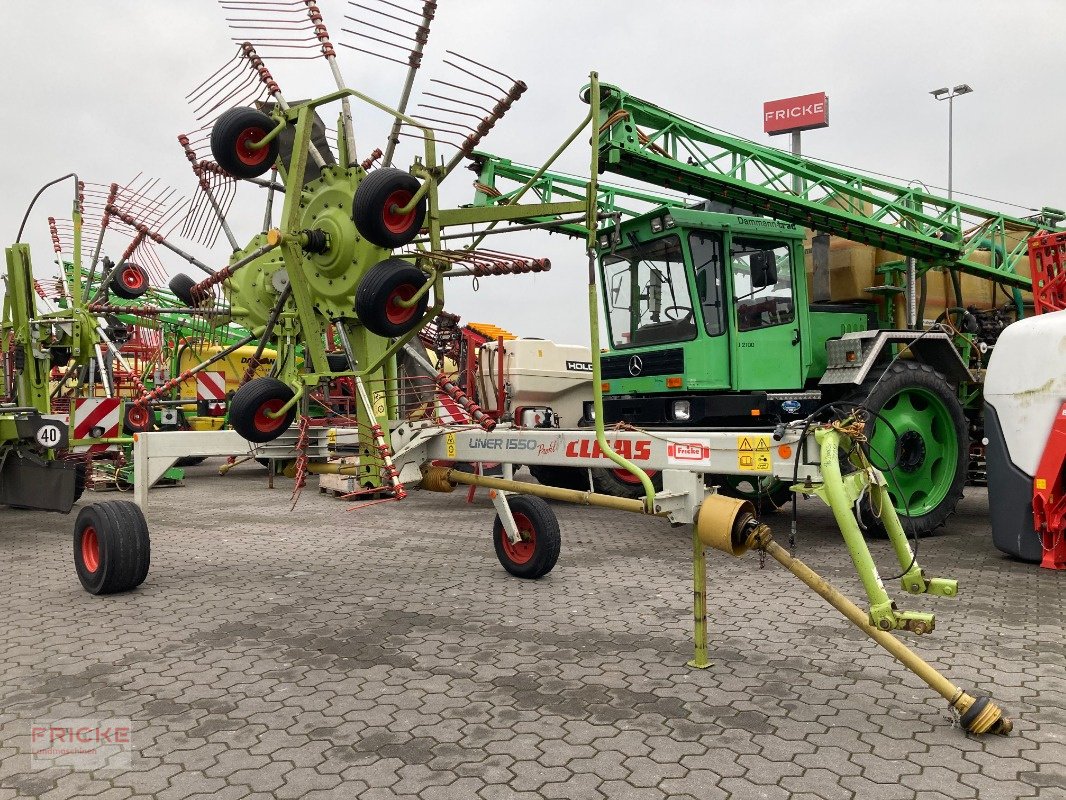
(944, 93)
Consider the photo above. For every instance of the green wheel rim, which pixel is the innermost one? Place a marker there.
(925, 456)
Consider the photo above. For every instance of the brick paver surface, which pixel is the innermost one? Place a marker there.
(384, 652)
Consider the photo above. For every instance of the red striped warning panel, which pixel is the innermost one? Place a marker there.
(211, 386)
(96, 418)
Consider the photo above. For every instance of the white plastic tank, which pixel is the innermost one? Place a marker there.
(538, 373)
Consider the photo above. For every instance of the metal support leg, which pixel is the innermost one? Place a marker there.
(699, 602)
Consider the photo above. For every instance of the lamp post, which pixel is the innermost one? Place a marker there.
(950, 94)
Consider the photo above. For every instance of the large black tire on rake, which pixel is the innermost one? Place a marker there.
(381, 287)
(130, 282)
(112, 548)
(250, 404)
(372, 208)
(231, 136)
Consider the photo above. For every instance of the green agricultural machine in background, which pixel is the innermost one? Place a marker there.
(712, 323)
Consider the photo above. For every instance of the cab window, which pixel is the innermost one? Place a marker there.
(762, 282)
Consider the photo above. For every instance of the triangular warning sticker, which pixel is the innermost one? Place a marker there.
(744, 444)
(762, 444)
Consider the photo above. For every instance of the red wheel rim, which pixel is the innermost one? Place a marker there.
(630, 478)
(132, 278)
(248, 155)
(90, 549)
(393, 221)
(266, 424)
(521, 551)
(137, 417)
(397, 314)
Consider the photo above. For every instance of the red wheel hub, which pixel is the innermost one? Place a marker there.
(132, 278)
(137, 417)
(397, 314)
(267, 424)
(398, 223)
(90, 549)
(248, 155)
(521, 551)
(628, 477)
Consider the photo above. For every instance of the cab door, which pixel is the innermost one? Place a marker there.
(768, 352)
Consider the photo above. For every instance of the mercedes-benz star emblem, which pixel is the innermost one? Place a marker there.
(635, 366)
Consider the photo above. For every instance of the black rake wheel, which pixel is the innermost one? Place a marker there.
(112, 548)
(535, 553)
(377, 299)
(376, 208)
(233, 138)
(252, 409)
(130, 282)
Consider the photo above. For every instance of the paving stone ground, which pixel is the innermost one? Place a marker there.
(384, 653)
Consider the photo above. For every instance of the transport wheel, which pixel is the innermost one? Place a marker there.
(563, 477)
(181, 284)
(926, 465)
(234, 131)
(190, 461)
(249, 408)
(536, 553)
(130, 282)
(374, 206)
(138, 419)
(112, 549)
(765, 492)
(376, 299)
(620, 483)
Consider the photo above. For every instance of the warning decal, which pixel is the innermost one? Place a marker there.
(753, 454)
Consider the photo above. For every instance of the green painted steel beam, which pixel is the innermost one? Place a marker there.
(640, 140)
(473, 215)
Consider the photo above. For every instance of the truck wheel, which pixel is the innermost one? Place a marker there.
(372, 208)
(249, 408)
(231, 136)
(765, 492)
(379, 290)
(112, 548)
(926, 466)
(563, 477)
(538, 550)
(130, 282)
(620, 483)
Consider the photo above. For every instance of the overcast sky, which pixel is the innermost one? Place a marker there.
(98, 86)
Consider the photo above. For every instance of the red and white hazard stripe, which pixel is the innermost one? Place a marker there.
(100, 413)
(211, 386)
(450, 412)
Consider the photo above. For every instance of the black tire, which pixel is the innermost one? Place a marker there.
(112, 548)
(232, 133)
(130, 282)
(385, 283)
(137, 419)
(247, 409)
(190, 461)
(182, 285)
(536, 554)
(563, 477)
(609, 480)
(906, 394)
(374, 198)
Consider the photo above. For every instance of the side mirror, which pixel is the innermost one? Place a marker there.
(763, 269)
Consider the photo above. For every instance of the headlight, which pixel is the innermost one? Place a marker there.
(588, 409)
(682, 410)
